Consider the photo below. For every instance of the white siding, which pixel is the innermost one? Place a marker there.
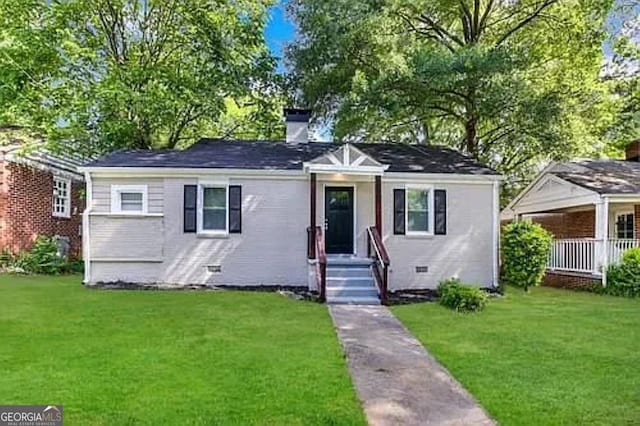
(126, 237)
(552, 193)
(102, 193)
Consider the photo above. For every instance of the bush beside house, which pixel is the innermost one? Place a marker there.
(460, 297)
(624, 279)
(525, 251)
(44, 258)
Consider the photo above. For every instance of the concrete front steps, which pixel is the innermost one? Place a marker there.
(350, 281)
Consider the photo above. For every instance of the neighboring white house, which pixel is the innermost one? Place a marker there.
(592, 207)
(249, 213)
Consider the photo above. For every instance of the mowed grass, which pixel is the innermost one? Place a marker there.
(548, 358)
(151, 357)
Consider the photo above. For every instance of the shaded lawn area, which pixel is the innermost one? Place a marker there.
(123, 357)
(551, 357)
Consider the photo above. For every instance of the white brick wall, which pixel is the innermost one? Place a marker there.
(466, 251)
(272, 246)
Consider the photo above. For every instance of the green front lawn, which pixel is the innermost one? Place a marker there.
(551, 357)
(123, 357)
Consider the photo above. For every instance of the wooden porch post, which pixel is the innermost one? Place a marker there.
(602, 237)
(378, 197)
(312, 217)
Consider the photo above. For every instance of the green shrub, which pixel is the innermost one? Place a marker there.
(6, 258)
(525, 251)
(460, 297)
(43, 258)
(624, 279)
(74, 267)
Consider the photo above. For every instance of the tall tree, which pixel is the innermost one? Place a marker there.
(510, 83)
(623, 70)
(129, 73)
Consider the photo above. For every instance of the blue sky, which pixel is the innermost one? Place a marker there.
(279, 31)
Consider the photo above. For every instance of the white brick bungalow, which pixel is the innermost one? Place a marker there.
(330, 216)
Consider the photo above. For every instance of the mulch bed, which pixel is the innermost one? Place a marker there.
(398, 297)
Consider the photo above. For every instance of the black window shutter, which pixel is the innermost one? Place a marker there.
(190, 207)
(235, 209)
(398, 212)
(440, 207)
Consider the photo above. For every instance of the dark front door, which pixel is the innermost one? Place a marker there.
(338, 217)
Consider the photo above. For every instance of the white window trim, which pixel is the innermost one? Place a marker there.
(67, 213)
(116, 207)
(200, 209)
(431, 213)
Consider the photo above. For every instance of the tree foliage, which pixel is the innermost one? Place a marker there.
(512, 83)
(623, 70)
(141, 74)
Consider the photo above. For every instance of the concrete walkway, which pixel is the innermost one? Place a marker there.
(397, 380)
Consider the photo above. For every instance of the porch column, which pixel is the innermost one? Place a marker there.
(312, 216)
(602, 238)
(378, 196)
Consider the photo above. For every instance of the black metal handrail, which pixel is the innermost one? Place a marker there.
(378, 252)
(315, 250)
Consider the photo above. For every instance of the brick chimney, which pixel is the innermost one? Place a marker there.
(297, 123)
(632, 152)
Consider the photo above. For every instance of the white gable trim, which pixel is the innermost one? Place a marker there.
(344, 164)
(576, 196)
(526, 190)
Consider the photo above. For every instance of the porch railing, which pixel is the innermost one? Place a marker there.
(573, 254)
(377, 251)
(616, 247)
(587, 254)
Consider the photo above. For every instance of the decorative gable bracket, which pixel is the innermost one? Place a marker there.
(347, 159)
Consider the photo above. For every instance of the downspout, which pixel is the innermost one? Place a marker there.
(496, 233)
(86, 240)
(605, 241)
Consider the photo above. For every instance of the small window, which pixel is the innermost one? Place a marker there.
(625, 226)
(419, 210)
(61, 197)
(129, 199)
(213, 209)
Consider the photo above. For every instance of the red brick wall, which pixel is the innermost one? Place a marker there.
(569, 225)
(571, 281)
(26, 198)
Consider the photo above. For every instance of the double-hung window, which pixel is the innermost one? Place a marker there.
(625, 224)
(419, 210)
(61, 197)
(213, 212)
(129, 199)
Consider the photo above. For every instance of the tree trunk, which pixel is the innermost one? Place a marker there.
(471, 135)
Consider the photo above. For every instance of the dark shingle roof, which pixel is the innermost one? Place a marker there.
(603, 176)
(272, 155)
